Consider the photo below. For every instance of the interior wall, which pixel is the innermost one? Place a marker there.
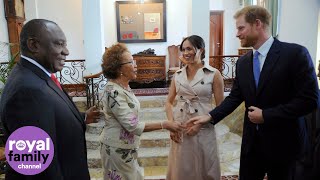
(176, 27)
(3, 25)
(229, 7)
(67, 14)
(299, 23)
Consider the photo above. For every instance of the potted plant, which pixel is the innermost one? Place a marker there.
(6, 67)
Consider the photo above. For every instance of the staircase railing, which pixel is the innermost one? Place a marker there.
(95, 85)
(71, 78)
(227, 66)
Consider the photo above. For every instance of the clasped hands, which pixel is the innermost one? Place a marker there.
(189, 129)
(194, 124)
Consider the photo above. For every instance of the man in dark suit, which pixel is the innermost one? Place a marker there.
(278, 84)
(31, 98)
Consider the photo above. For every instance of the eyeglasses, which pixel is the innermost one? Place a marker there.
(132, 62)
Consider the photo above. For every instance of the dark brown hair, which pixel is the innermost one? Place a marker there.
(196, 42)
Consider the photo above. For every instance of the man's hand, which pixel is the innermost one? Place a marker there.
(255, 115)
(198, 120)
(92, 115)
(193, 130)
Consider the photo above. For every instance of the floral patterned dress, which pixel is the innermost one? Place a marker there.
(120, 137)
(196, 158)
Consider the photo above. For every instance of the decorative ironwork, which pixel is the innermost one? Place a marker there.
(4, 72)
(227, 66)
(95, 84)
(71, 78)
(72, 72)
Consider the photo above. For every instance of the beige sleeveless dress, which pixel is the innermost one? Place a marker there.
(196, 158)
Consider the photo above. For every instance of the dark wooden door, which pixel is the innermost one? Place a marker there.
(216, 33)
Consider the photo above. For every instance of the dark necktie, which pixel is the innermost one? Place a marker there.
(55, 80)
(256, 67)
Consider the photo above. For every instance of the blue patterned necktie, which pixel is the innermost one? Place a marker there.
(256, 67)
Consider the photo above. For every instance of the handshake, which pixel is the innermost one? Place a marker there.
(190, 128)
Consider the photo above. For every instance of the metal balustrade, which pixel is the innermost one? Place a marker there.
(227, 67)
(71, 78)
(95, 84)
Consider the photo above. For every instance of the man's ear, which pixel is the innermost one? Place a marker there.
(258, 23)
(33, 45)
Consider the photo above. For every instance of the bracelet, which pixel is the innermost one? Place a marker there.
(161, 124)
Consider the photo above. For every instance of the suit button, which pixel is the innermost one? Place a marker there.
(196, 110)
(181, 110)
(202, 82)
(181, 97)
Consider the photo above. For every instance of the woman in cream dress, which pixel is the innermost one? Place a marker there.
(120, 137)
(194, 153)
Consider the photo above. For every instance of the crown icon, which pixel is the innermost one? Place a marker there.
(21, 145)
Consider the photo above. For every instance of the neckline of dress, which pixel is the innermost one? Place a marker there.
(119, 84)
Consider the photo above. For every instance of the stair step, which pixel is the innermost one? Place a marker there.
(159, 138)
(229, 151)
(152, 114)
(230, 168)
(94, 158)
(153, 156)
(152, 101)
(150, 173)
(155, 139)
(155, 172)
(146, 157)
(96, 173)
(95, 128)
(93, 141)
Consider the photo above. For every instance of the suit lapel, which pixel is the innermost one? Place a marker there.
(53, 86)
(271, 60)
(65, 98)
(248, 63)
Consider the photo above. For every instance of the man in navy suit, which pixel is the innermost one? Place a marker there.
(32, 98)
(278, 85)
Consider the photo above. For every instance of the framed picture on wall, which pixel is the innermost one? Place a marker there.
(141, 22)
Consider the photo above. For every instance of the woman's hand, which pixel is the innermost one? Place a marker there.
(176, 137)
(173, 126)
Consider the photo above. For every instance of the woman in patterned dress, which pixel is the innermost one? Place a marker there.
(194, 153)
(120, 137)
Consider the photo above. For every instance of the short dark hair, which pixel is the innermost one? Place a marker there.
(196, 42)
(112, 59)
(251, 13)
(32, 28)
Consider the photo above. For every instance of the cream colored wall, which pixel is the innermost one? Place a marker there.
(299, 23)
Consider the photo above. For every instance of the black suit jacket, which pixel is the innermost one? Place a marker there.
(30, 98)
(287, 91)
